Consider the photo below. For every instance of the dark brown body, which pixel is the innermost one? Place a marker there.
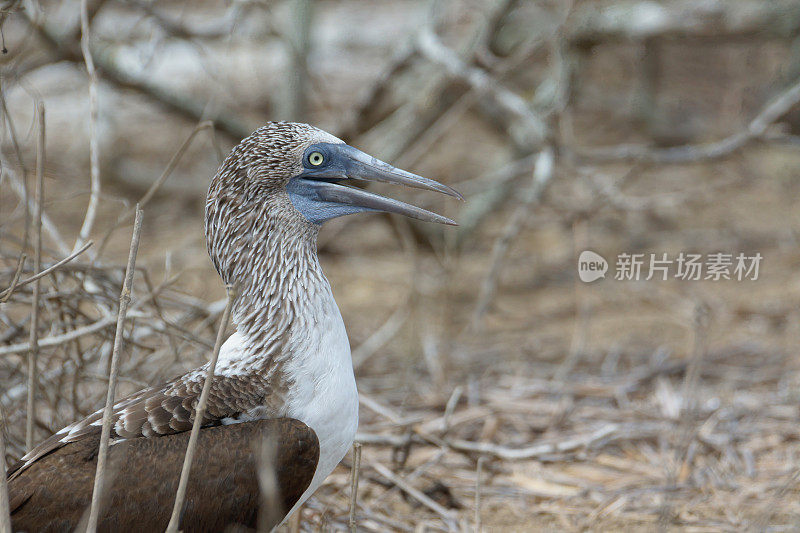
(54, 493)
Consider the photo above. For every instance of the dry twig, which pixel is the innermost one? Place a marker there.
(354, 485)
(113, 72)
(200, 410)
(148, 195)
(448, 516)
(20, 186)
(6, 294)
(532, 130)
(56, 340)
(478, 474)
(380, 336)
(268, 484)
(94, 156)
(542, 173)
(754, 131)
(5, 515)
(33, 355)
(537, 450)
(124, 300)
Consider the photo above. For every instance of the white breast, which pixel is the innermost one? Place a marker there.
(324, 394)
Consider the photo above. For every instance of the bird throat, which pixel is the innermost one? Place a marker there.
(269, 253)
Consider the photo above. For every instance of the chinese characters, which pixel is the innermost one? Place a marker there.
(687, 266)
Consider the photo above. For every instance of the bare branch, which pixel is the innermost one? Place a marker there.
(268, 484)
(448, 516)
(148, 195)
(542, 173)
(478, 475)
(14, 281)
(101, 324)
(5, 513)
(113, 73)
(628, 20)
(756, 130)
(15, 285)
(354, 485)
(20, 186)
(298, 40)
(537, 450)
(56, 340)
(124, 300)
(94, 156)
(380, 336)
(200, 410)
(532, 130)
(33, 354)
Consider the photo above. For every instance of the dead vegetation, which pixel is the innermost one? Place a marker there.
(498, 392)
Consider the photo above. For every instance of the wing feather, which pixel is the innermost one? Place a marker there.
(160, 411)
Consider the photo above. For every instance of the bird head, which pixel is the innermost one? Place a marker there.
(306, 166)
(277, 186)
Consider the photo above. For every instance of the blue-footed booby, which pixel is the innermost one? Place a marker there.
(284, 375)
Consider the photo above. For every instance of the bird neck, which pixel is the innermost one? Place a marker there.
(281, 280)
(269, 253)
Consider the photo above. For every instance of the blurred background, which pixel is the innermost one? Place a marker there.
(509, 393)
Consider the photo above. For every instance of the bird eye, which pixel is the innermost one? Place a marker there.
(316, 158)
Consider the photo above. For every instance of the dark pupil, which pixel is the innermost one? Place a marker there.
(316, 158)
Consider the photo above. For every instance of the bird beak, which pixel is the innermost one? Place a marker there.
(318, 195)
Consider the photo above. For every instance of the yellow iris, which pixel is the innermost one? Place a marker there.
(316, 158)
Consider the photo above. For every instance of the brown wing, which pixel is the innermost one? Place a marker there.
(161, 411)
(53, 493)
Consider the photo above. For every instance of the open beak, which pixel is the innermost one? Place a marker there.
(319, 188)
